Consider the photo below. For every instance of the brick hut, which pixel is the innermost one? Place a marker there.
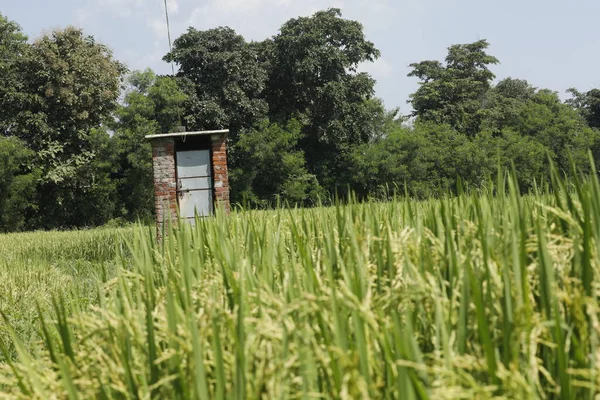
(190, 174)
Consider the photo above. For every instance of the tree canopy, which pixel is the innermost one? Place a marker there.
(454, 93)
(305, 123)
(227, 81)
(588, 104)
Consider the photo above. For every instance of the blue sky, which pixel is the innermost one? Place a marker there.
(551, 43)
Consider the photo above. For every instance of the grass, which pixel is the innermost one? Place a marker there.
(38, 266)
(479, 296)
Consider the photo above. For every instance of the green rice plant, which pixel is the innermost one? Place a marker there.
(37, 267)
(489, 294)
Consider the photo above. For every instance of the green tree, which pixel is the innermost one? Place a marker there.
(588, 104)
(17, 184)
(504, 104)
(454, 93)
(307, 72)
(73, 83)
(13, 43)
(420, 160)
(273, 169)
(313, 76)
(427, 159)
(540, 115)
(225, 77)
(479, 158)
(70, 85)
(152, 104)
(313, 52)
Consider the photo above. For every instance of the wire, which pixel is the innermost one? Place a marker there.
(169, 36)
(171, 51)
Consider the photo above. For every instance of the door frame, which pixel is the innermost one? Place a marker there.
(191, 143)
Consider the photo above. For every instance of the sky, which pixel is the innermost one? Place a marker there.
(551, 43)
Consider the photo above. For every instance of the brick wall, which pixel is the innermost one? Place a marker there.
(219, 166)
(165, 183)
(165, 190)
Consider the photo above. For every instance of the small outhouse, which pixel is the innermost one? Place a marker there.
(190, 174)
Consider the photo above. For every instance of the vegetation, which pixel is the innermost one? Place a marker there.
(37, 267)
(456, 286)
(305, 123)
(483, 295)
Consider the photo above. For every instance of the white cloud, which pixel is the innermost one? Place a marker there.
(129, 8)
(158, 26)
(379, 69)
(81, 16)
(120, 8)
(172, 6)
(152, 58)
(243, 6)
(380, 6)
(255, 19)
(150, 12)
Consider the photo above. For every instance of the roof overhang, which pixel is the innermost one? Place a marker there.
(183, 134)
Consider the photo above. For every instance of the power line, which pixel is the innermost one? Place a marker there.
(169, 36)
(170, 51)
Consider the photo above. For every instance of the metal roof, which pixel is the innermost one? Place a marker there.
(175, 134)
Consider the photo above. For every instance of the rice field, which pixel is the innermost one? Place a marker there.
(485, 295)
(36, 267)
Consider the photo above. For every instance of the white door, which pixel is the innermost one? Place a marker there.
(194, 183)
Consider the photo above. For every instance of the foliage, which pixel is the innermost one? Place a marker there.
(307, 72)
(477, 296)
(304, 122)
(541, 116)
(312, 53)
(37, 268)
(151, 105)
(401, 161)
(588, 104)
(13, 43)
(226, 78)
(70, 85)
(313, 76)
(429, 159)
(271, 168)
(454, 93)
(505, 103)
(17, 184)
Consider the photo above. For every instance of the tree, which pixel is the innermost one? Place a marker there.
(504, 104)
(394, 162)
(13, 43)
(226, 78)
(479, 158)
(308, 72)
(313, 77)
(273, 169)
(516, 106)
(420, 160)
(312, 52)
(70, 85)
(17, 184)
(427, 159)
(89, 198)
(152, 104)
(73, 83)
(588, 104)
(454, 93)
